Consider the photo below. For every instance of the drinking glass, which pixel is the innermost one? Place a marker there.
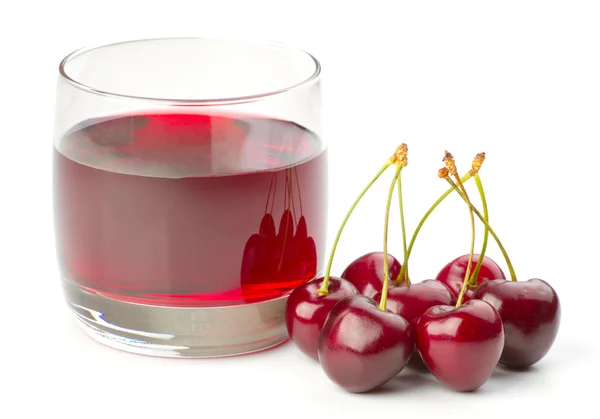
(190, 191)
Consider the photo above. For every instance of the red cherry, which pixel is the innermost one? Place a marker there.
(366, 272)
(412, 301)
(453, 274)
(306, 311)
(530, 311)
(361, 347)
(461, 346)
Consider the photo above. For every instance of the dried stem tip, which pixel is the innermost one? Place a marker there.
(450, 164)
(443, 172)
(401, 155)
(477, 162)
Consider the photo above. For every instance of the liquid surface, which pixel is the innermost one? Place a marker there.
(190, 210)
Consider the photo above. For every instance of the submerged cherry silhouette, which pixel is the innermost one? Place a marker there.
(267, 227)
(278, 259)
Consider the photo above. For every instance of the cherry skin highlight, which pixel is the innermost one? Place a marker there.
(362, 347)
(366, 272)
(306, 311)
(453, 274)
(413, 300)
(530, 311)
(461, 346)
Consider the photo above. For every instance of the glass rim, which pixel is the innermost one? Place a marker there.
(199, 101)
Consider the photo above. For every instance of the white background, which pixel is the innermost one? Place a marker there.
(517, 79)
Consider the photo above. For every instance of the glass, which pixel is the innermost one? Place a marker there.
(190, 192)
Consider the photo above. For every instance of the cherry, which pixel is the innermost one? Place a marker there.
(411, 301)
(366, 272)
(530, 311)
(306, 311)
(362, 347)
(453, 273)
(461, 346)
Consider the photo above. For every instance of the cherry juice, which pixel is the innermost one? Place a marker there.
(190, 209)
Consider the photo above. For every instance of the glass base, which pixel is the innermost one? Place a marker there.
(178, 332)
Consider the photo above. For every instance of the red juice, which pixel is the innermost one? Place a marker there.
(190, 209)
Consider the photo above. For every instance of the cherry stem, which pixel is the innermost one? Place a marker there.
(386, 268)
(403, 270)
(473, 280)
(472, 249)
(513, 275)
(324, 289)
(401, 205)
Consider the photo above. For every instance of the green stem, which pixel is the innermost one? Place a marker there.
(403, 270)
(401, 205)
(472, 249)
(324, 289)
(473, 280)
(513, 275)
(386, 268)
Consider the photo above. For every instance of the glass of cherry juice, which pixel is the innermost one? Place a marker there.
(190, 192)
